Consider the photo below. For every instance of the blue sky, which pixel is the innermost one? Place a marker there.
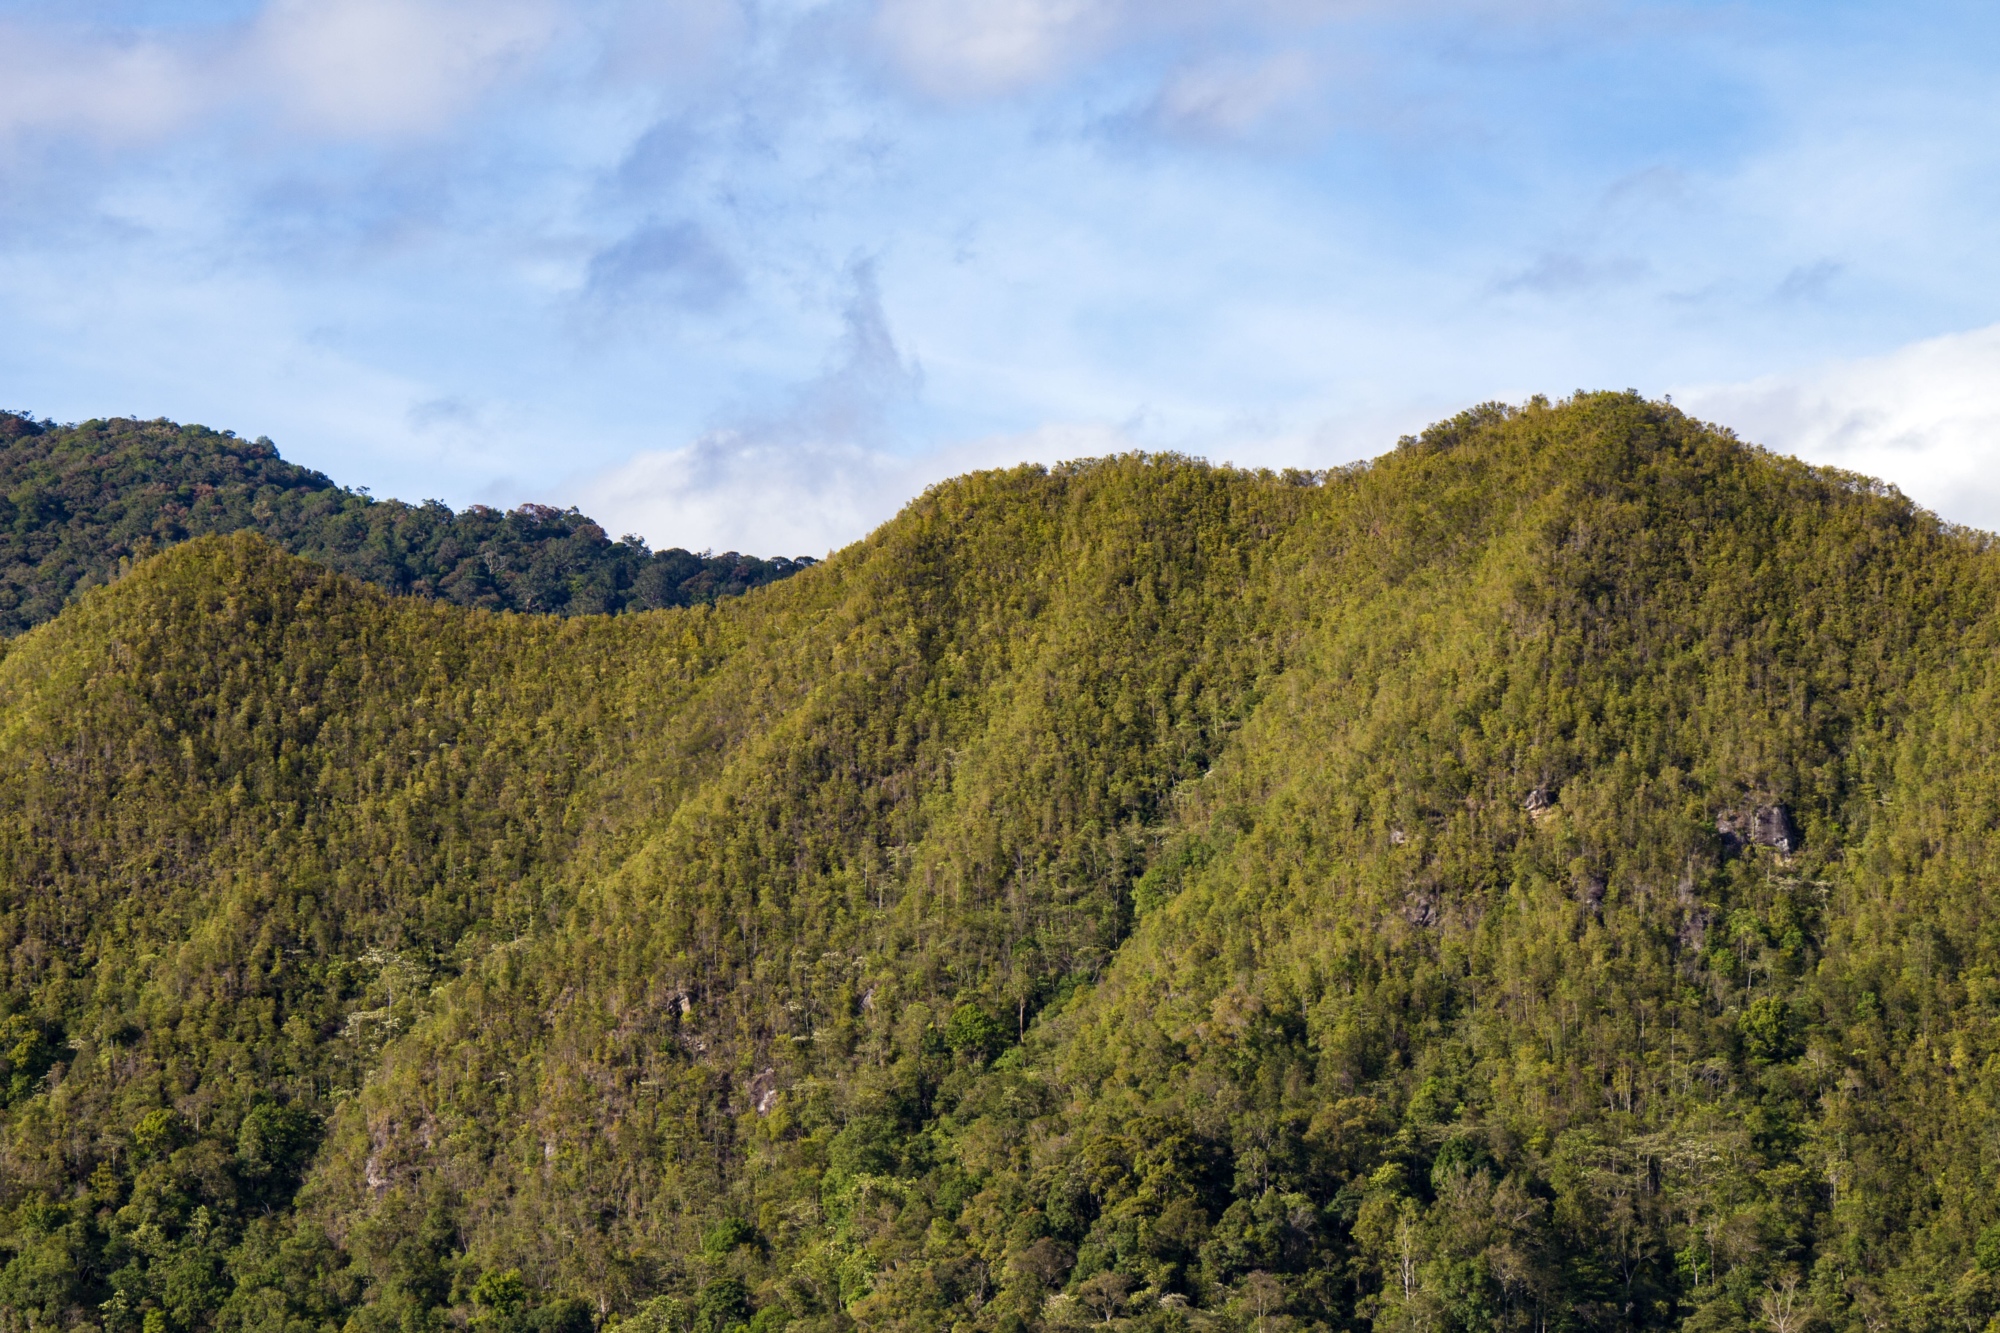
(749, 275)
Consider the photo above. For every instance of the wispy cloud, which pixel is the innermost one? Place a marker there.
(1231, 96)
(447, 411)
(955, 50)
(675, 263)
(801, 480)
(1809, 281)
(1565, 273)
(738, 491)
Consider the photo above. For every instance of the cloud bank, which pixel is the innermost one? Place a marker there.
(816, 474)
(742, 492)
(1925, 418)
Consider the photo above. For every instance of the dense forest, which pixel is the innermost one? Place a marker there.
(1541, 879)
(79, 503)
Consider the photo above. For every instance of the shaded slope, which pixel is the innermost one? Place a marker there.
(78, 503)
(254, 811)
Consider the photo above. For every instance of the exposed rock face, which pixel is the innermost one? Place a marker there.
(1540, 804)
(1420, 906)
(1763, 826)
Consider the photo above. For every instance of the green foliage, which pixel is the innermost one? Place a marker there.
(725, 1236)
(27, 1051)
(500, 1295)
(79, 503)
(724, 1305)
(974, 1032)
(1539, 880)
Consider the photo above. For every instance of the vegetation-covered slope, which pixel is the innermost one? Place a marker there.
(79, 503)
(1538, 880)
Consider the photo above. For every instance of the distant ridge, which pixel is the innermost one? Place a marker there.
(79, 501)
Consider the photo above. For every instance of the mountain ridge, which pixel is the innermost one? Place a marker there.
(1135, 893)
(79, 502)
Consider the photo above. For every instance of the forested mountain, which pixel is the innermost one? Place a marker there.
(1542, 879)
(79, 503)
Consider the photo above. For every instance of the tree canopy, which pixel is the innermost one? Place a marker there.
(1540, 879)
(80, 503)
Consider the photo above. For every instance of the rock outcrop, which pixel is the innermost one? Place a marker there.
(1760, 826)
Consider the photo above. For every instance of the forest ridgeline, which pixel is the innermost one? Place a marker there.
(1539, 879)
(79, 503)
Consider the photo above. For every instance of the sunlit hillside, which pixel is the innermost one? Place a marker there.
(1542, 879)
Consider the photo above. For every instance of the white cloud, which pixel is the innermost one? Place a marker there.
(113, 91)
(818, 474)
(345, 68)
(953, 49)
(1925, 417)
(1229, 97)
(735, 491)
(385, 67)
(678, 42)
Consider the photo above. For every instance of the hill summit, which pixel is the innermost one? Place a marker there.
(1538, 879)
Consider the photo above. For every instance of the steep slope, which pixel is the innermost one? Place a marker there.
(567, 745)
(1476, 978)
(889, 881)
(1539, 879)
(1455, 1000)
(80, 502)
